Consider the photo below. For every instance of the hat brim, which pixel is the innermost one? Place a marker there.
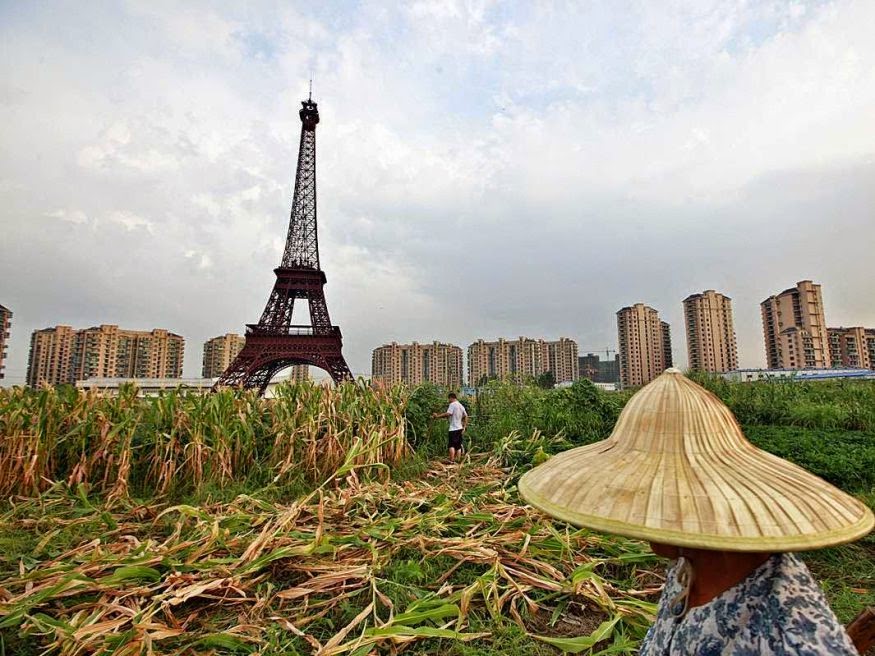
(744, 500)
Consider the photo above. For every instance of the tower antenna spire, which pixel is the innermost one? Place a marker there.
(311, 87)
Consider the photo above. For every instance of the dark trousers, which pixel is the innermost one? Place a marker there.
(454, 440)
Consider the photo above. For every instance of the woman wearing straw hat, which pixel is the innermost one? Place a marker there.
(678, 472)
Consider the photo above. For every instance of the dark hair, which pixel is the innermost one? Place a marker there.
(451, 395)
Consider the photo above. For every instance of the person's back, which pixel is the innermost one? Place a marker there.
(456, 411)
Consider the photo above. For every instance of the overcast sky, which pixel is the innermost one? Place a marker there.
(485, 169)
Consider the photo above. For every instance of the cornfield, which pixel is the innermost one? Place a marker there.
(177, 443)
(231, 524)
(110, 543)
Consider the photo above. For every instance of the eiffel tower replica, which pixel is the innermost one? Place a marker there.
(274, 343)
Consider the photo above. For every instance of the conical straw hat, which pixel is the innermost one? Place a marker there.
(678, 470)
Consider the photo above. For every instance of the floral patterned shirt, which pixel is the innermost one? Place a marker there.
(779, 609)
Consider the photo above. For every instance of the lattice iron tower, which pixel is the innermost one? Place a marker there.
(274, 343)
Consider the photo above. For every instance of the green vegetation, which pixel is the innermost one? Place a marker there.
(322, 521)
(821, 405)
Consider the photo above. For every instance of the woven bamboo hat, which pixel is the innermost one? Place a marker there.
(678, 470)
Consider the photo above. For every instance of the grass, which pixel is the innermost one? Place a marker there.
(847, 574)
(842, 457)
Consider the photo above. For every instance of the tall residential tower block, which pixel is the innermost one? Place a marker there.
(50, 360)
(852, 347)
(711, 344)
(219, 353)
(645, 345)
(794, 328)
(5, 323)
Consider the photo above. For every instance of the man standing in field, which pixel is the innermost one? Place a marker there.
(458, 417)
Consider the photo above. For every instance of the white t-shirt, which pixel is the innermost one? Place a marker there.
(456, 411)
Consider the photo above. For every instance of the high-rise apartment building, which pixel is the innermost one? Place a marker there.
(518, 359)
(645, 345)
(560, 358)
(106, 351)
(51, 356)
(417, 363)
(159, 354)
(870, 346)
(219, 352)
(852, 347)
(523, 358)
(5, 323)
(667, 359)
(62, 355)
(794, 328)
(299, 373)
(711, 344)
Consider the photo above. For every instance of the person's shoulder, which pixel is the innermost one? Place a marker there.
(808, 624)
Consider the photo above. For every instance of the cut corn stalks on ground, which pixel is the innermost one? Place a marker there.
(355, 567)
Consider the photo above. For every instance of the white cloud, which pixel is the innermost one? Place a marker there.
(130, 221)
(77, 217)
(117, 149)
(203, 260)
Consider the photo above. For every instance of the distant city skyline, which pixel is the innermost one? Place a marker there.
(484, 169)
(854, 345)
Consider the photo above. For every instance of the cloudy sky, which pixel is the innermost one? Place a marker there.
(485, 168)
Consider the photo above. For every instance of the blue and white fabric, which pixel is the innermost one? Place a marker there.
(779, 609)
